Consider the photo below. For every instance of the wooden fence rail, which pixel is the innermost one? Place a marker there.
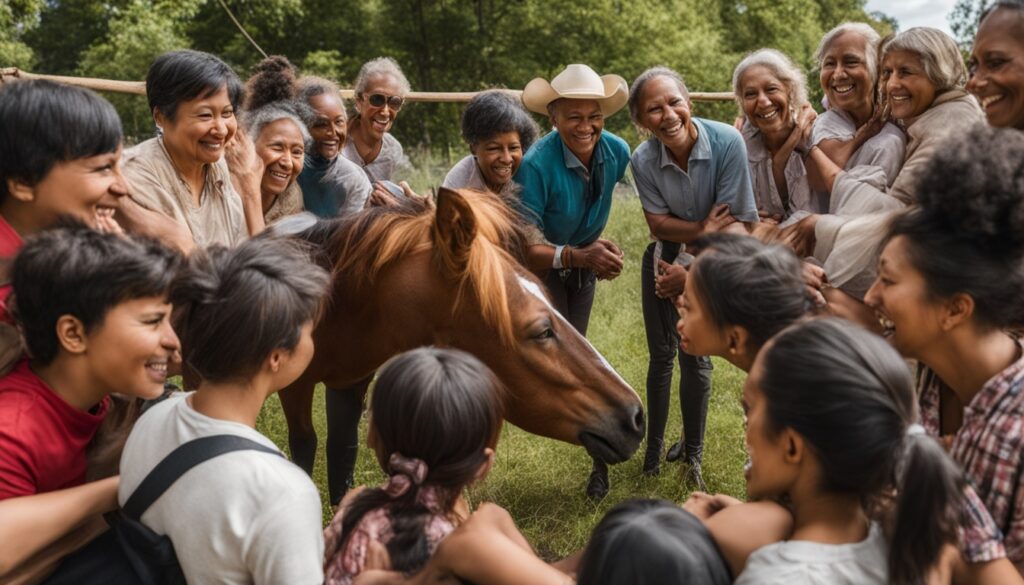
(139, 88)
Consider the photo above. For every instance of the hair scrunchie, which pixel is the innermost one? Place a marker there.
(405, 472)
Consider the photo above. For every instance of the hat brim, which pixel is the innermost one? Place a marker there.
(538, 94)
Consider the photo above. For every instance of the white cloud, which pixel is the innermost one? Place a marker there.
(910, 13)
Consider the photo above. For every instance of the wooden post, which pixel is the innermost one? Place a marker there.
(139, 88)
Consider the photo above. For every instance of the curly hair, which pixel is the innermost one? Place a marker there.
(967, 234)
(496, 112)
(271, 96)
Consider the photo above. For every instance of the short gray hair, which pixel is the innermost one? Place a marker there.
(871, 42)
(638, 88)
(381, 67)
(256, 120)
(781, 67)
(940, 57)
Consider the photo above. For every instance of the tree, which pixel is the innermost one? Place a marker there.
(17, 18)
(964, 20)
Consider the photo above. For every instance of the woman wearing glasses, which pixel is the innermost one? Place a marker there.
(380, 93)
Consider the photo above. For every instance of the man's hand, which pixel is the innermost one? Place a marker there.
(602, 257)
(670, 280)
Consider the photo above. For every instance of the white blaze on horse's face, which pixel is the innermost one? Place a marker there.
(534, 289)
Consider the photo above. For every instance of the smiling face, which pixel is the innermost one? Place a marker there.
(281, 147)
(844, 77)
(665, 112)
(200, 129)
(330, 127)
(909, 316)
(909, 90)
(377, 120)
(997, 68)
(698, 333)
(77, 187)
(765, 100)
(129, 351)
(579, 123)
(769, 472)
(498, 158)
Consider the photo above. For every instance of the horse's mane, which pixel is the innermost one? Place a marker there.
(368, 242)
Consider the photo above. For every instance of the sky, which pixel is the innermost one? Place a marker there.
(910, 13)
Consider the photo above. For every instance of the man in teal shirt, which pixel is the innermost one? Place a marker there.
(567, 180)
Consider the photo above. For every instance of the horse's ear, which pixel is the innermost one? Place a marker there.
(454, 230)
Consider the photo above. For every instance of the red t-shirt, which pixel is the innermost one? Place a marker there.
(42, 438)
(10, 243)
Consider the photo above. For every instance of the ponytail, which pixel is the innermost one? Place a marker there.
(926, 514)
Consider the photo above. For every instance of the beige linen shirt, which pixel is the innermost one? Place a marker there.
(156, 185)
(289, 202)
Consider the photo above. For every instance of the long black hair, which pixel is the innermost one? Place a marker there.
(850, 396)
(443, 407)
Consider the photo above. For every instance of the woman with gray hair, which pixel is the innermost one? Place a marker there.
(853, 130)
(498, 131)
(272, 119)
(380, 90)
(772, 95)
(331, 184)
(922, 84)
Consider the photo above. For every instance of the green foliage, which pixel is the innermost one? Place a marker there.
(17, 18)
(963, 20)
(443, 45)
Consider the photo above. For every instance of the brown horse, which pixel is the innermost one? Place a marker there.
(424, 274)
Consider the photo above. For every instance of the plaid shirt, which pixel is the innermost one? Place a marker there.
(989, 447)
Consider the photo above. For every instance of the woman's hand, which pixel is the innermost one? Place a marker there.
(704, 506)
(670, 280)
(815, 279)
(874, 125)
(719, 218)
(245, 167)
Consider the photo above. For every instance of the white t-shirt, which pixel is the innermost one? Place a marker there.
(243, 517)
(797, 562)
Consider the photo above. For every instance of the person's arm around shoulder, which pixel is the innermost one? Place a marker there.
(34, 522)
(740, 528)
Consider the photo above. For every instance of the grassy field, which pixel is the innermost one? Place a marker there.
(541, 481)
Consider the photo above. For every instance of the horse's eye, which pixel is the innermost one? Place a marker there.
(547, 333)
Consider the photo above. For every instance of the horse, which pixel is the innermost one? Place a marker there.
(423, 273)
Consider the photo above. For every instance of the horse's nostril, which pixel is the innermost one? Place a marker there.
(638, 419)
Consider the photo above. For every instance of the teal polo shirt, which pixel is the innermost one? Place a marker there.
(567, 201)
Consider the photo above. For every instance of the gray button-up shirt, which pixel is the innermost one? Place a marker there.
(717, 173)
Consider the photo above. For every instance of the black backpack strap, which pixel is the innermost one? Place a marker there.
(183, 458)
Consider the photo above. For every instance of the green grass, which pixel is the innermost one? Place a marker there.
(541, 481)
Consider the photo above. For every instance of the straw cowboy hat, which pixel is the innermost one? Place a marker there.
(579, 82)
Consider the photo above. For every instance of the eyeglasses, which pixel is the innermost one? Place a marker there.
(378, 100)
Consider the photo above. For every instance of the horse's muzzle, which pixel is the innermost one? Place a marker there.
(615, 439)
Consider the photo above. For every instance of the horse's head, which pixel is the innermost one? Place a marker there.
(559, 385)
